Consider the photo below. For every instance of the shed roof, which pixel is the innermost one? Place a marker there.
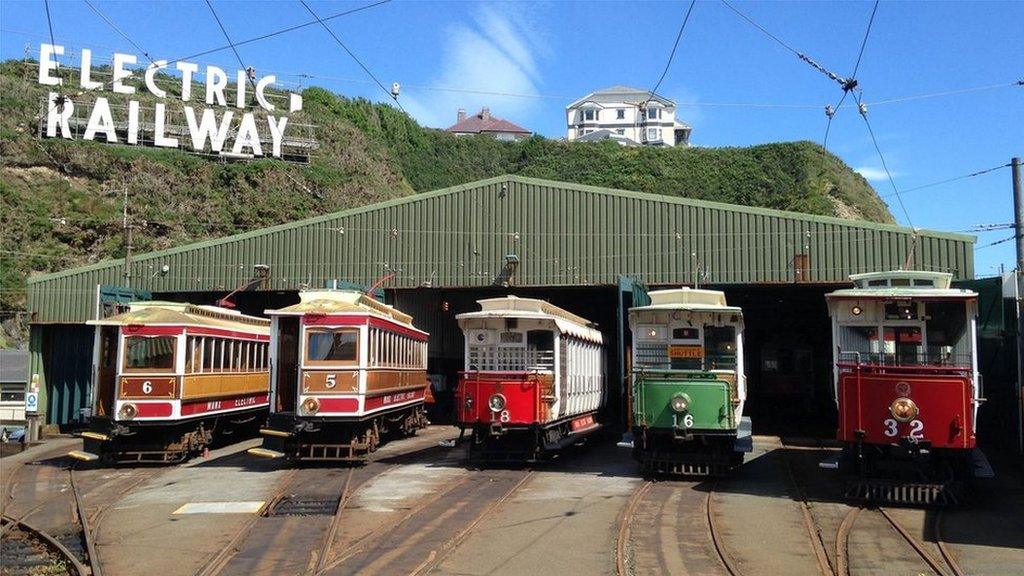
(561, 234)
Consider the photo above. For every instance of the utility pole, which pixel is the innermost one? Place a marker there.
(127, 242)
(1018, 230)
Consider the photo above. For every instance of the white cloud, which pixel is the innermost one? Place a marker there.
(873, 174)
(494, 55)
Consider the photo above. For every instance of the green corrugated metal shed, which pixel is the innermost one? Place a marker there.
(562, 234)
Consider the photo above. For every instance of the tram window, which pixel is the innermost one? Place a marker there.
(878, 282)
(903, 344)
(193, 357)
(862, 339)
(144, 354)
(510, 338)
(108, 349)
(720, 347)
(685, 334)
(919, 282)
(331, 346)
(946, 326)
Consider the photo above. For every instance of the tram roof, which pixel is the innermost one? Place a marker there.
(897, 284)
(184, 314)
(341, 302)
(516, 307)
(686, 298)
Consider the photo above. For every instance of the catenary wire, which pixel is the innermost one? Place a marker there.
(672, 54)
(352, 54)
(230, 43)
(881, 157)
(948, 180)
(864, 42)
(119, 31)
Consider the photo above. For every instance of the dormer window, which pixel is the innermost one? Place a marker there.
(620, 114)
(653, 113)
(590, 114)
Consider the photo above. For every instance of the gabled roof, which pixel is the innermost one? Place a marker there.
(562, 234)
(626, 94)
(482, 122)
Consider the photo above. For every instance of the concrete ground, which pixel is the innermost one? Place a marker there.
(419, 507)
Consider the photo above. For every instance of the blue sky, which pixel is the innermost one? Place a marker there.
(550, 53)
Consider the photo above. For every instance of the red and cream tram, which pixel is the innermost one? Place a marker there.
(168, 376)
(534, 379)
(348, 371)
(906, 384)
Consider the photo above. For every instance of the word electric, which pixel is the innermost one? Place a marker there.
(136, 125)
(168, 377)
(534, 379)
(688, 386)
(349, 372)
(907, 386)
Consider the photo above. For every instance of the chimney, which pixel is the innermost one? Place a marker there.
(462, 114)
(485, 114)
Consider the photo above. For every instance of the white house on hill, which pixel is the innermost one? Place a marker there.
(628, 116)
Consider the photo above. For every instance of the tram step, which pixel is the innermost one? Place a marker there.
(95, 436)
(83, 456)
(264, 453)
(276, 433)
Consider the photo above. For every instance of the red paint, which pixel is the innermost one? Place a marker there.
(363, 320)
(207, 406)
(583, 422)
(153, 409)
(384, 400)
(944, 401)
(520, 389)
(333, 405)
(145, 330)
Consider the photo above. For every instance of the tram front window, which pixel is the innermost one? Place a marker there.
(332, 346)
(719, 347)
(902, 345)
(145, 354)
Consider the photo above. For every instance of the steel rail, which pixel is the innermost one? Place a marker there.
(813, 530)
(843, 542)
(437, 556)
(716, 538)
(50, 542)
(914, 543)
(332, 530)
(83, 521)
(357, 546)
(220, 560)
(625, 519)
(944, 550)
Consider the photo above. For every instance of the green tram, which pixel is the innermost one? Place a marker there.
(688, 386)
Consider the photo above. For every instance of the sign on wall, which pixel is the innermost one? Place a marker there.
(204, 110)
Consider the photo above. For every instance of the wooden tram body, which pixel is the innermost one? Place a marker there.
(534, 379)
(906, 384)
(168, 376)
(688, 384)
(347, 372)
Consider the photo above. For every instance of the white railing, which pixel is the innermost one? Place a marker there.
(509, 359)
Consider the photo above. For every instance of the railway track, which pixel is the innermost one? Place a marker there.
(947, 566)
(29, 550)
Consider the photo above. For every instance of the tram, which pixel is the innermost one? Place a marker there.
(906, 385)
(688, 385)
(349, 372)
(168, 377)
(534, 379)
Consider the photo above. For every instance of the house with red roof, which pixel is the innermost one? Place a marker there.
(483, 123)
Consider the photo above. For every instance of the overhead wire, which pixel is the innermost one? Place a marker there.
(881, 157)
(672, 54)
(953, 179)
(119, 31)
(230, 43)
(352, 54)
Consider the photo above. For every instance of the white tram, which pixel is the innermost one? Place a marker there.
(534, 378)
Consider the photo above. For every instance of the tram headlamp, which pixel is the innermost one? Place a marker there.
(903, 409)
(496, 402)
(127, 412)
(856, 310)
(311, 406)
(680, 403)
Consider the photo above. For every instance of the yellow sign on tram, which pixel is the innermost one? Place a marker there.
(685, 351)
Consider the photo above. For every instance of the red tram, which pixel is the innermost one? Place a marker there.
(168, 377)
(906, 384)
(348, 371)
(534, 379)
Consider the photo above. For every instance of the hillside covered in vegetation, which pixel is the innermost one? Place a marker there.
(62, 199)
